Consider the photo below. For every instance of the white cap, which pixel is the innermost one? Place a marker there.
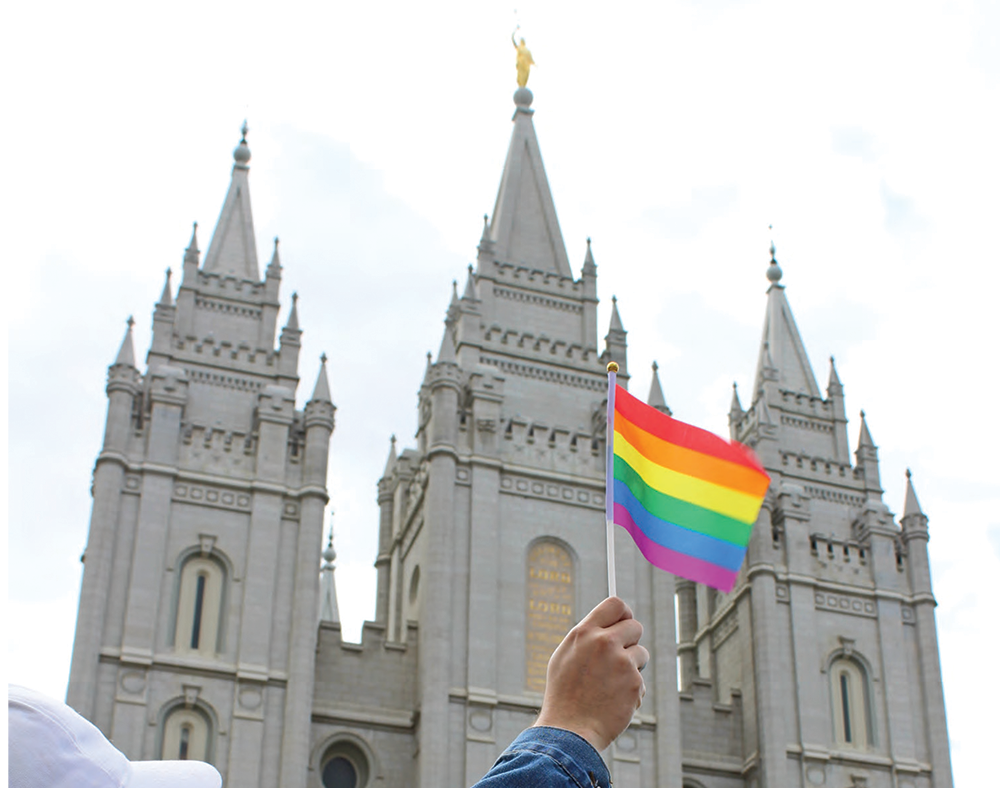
(50, 746)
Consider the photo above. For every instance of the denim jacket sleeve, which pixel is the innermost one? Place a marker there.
(548, 758)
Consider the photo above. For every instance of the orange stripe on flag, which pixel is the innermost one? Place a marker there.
(692, 463)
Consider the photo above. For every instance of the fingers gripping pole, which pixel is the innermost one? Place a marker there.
(609, 489)
(612, 591)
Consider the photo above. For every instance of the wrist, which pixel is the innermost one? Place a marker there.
(585, 732)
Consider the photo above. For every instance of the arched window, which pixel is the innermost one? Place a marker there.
(851, 704)
(187, 735)
(344, 765)
(549, 616)
(199, 606)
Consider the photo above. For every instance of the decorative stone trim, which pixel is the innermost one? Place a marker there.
(815, 464)
(227, 308)
(806, 424)
(210, 495)
(836, 496)
(531, 298)
(550, 490)
(844, 603)
(538, 372)
(236, 382)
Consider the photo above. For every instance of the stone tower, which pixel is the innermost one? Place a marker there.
(821, 667)
(491, 534)
(205, 629)
(197, 621)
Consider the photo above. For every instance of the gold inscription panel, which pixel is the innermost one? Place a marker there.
(550, 608)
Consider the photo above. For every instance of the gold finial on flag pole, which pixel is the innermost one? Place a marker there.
(612, 366)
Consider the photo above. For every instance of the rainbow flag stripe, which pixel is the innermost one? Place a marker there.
(688, 498)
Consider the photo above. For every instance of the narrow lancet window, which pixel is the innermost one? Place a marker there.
(199, 602)
(850, 699)
(198, 613)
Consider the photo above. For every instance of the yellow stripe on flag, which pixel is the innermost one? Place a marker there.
(731, 503)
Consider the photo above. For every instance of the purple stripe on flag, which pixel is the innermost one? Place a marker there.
(679, 564)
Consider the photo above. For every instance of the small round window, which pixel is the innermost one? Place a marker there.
(340, 773)
(344, 766)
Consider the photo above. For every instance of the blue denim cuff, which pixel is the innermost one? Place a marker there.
(573, 754)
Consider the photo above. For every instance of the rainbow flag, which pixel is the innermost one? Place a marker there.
(688, 498)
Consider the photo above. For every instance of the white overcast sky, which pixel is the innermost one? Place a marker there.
(673, 134)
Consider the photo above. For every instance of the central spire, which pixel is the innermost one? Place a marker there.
(233, 249)
(782, 353)
(524, 228)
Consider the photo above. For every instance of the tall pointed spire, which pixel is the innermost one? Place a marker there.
(126, 353)
(655, 398)
(293, 315)
(192, 254)
(589, 267)
(328, 608)
(390, 461)
(616, 320)
(446, 353)
(865, 437)
(866, 457)
(782, 354)
(911, 505)
(166, 297)
(470, 287)
(735, 407)
(274, 267)
(524, 228)
(616, 344)
(321, 393)
(486, 247)
(233, 249)
(834, 386)
(454, 310)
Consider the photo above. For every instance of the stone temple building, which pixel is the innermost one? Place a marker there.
(207, 628)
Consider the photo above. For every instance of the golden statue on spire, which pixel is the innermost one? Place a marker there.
(524, 61)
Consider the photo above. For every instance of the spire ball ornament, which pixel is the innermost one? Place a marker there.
(523, 98)
(612, 366)
(773, 270)
(242, 153)
(329, 554)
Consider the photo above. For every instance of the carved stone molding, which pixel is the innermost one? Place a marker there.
(210, 495)
(548, 490)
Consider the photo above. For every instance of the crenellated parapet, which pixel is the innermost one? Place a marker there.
(554, 447)
(712, 730)
(372, 682)
(543, 348)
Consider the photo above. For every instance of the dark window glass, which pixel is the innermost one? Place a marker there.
(199, 601)
(185, 741)
(339, 773)
(845, 700)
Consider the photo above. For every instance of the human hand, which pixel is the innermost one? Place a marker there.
(593, 685)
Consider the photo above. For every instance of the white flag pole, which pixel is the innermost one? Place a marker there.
(609, 489)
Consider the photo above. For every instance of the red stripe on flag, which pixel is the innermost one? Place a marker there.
(677, 432)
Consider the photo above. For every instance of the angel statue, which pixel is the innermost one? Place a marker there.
(524, 61)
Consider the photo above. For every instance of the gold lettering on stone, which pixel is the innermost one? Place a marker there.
(549, 613)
